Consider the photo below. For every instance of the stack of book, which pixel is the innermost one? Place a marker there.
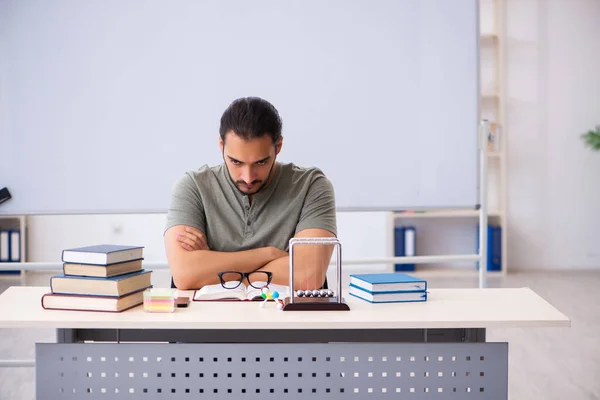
(388, 287)
(99, 278)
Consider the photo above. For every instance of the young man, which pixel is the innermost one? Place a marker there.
(240, 215)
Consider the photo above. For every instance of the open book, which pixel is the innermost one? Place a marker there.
(242, 292)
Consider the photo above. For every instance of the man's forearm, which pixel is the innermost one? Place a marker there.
(307, 277)
(280, 268)
(194, 269)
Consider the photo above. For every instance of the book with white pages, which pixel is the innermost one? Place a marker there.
(388, 282)
(77, 302)
(241, 293)
(388, 297)
(102, 254)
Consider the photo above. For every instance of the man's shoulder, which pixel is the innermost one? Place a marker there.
(203, 176)
(298, 173)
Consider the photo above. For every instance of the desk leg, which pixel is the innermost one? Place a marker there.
(66, 336)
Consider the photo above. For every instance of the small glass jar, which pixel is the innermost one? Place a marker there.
(160, 300)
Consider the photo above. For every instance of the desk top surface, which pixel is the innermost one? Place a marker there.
(20, 307)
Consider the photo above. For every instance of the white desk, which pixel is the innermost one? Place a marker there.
(20, 307)
(432, 349)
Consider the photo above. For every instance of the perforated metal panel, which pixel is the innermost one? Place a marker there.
(258, 371)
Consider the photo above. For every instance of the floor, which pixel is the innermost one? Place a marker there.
(547, 363)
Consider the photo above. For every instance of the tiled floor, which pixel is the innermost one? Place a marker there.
(547, 363)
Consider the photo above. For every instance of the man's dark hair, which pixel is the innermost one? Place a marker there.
(251, 118)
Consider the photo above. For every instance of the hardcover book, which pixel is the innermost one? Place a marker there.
(387, 282)
(102, 254)
(242, 292)
(55, 301)
(115, 286)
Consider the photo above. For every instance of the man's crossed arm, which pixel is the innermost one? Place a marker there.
(194, 265)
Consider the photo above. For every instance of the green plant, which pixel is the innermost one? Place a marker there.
(592, 139)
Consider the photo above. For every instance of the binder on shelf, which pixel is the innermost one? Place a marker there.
(496, 264)
(494, 248)
(404, 245)
(398, 246)
(410, 240)
(8, 252)
(4, 246)
(15, 245)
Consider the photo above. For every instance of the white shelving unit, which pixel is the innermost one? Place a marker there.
(492, 109)
(19, 222)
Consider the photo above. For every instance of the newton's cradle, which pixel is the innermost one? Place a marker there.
(316, 299)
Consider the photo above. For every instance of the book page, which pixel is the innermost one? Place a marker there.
(254, 293)
(218, 292)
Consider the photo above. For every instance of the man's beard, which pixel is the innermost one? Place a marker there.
(236, 184)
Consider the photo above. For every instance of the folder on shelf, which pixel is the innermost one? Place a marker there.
(399, 246)
(496, 256)
(4, 246)
(404, 245)
(494, 248)
(410, 240)
(15, 245)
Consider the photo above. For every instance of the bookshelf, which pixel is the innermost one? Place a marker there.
(451, 213)
(492, 109)
(16, 222)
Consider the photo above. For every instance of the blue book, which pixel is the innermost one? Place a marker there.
(388, 297)
(388, 282)
(115, 286)
(103, 254)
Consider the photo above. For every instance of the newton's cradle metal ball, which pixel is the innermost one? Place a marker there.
(314, 293)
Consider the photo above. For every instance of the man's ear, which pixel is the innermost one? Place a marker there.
(221, 144)
(279, 145)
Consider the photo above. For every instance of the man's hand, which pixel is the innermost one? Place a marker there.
(192, 239)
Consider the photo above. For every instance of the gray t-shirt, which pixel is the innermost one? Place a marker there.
(296, 198)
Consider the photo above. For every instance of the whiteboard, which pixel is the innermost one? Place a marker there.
(104, 104)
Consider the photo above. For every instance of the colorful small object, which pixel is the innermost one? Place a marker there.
(267, 295)
(159, 300)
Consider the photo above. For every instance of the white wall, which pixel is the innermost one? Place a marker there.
(553, 91)
(553, 94)
(363, 235)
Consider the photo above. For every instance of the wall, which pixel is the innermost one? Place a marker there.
(553, 94)
(363, 235)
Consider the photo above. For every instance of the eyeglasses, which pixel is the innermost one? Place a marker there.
(233, 279)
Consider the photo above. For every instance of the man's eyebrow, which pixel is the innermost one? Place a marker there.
(256, 162)
(263, 160)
